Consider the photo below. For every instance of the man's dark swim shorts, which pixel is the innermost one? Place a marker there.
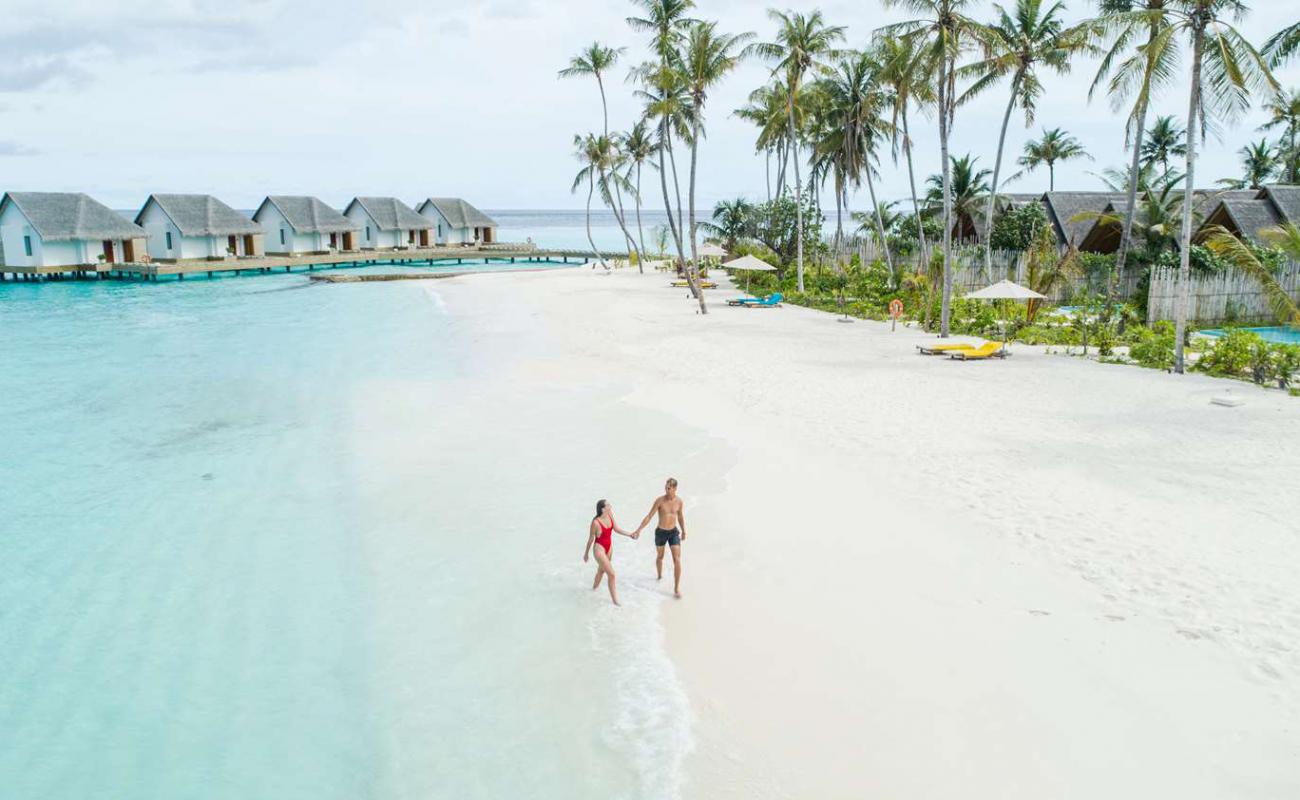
(669, 537)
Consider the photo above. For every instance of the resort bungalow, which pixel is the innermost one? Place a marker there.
(457, 222)
(197, 227)
(1073, 215)
(386, 222)
(1247, 212)
(45, 231)
(304, 225)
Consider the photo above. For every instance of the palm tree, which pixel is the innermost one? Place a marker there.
(733, 220)
(766, 111)
(587, 149)
(1284, 111)
(1139, 76)
(852, 107)
(638, 147)
(1258, 163)
(596, 60)
(1283, 237)
(708, 57)
(803, 43)
(663, 92)
(1056, 145)
(1166, 140)
(940, 36)
(1226, 69)
(903, 71)
(883, 216)
(968, 187)
(1015, 46)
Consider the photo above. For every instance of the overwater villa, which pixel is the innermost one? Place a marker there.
(457, 222)
(388, 223)
(301, 225)
(52, 231)
(185, 227)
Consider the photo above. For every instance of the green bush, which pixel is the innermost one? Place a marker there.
(1232, 355)
(1154, 347)
(1016, 229)
(1287, 363)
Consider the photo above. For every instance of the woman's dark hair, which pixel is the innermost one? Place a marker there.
(600, 508)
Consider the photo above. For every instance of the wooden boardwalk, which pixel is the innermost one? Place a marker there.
(433, 256)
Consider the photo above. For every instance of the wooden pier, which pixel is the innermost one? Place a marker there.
(433, 256)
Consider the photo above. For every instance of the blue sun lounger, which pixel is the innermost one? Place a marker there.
(771, 301)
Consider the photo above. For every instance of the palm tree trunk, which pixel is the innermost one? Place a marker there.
(880, 221)
(591, 190)
(1185, 254)
(839, 218)
(692, 272)
(663, 181)
(945, 307)
(798, 190)
(1130, 212)
(997, 170)
(640, 231)
(911, 177)
(621, 217)
(1051, 176)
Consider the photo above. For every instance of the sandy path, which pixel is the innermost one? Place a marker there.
(1042, 577)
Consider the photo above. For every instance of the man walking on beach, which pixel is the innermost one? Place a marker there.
(671, 517)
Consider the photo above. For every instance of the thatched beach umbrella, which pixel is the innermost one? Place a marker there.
(749, 264)
(1005, 290)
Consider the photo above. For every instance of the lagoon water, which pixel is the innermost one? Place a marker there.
(266, 539)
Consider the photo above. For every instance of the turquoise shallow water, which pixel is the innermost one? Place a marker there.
(260, 538)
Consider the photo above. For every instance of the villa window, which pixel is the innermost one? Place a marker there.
(169, 240)
(367, 233)
(439, 230)
(27, 245)
(282, 236)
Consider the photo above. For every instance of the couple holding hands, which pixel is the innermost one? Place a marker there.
(670, 532)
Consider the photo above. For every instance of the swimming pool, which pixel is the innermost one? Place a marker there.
(1281, 334)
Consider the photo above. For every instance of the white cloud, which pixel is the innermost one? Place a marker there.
(415, 98)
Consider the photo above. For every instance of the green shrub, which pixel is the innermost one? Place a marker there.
(1154, 347)
(1232, 355)
(1286, 363)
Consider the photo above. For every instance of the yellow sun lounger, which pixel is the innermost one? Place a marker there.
(986, 350)
(943, 349)
(686, 285)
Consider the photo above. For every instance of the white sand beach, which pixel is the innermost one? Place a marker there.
(917, 578)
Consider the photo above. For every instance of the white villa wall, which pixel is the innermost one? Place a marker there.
(14, 226)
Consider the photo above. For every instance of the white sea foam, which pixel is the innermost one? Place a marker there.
(651, 718)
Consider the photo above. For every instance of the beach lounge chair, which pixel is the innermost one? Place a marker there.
(771, 301)
(943, 349)
(687, 285)
(986, 350)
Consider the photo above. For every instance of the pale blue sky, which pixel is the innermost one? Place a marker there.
(413, 98)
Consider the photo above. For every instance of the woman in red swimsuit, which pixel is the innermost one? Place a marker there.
(601, 533)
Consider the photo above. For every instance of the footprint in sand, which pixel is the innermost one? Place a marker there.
(1115, 618)
(1038, 612)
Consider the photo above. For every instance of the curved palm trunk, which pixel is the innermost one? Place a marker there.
(945, 308)
(617, 205)
(1185, 256)
(798, 191)
(767, 171)
(1130, 213)
(911, 178)
(692, 271)
(640, 231)
(677, 191)
(880, 222)
(621, 217)
(663, 182)
(997, 171)
(591, 190)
